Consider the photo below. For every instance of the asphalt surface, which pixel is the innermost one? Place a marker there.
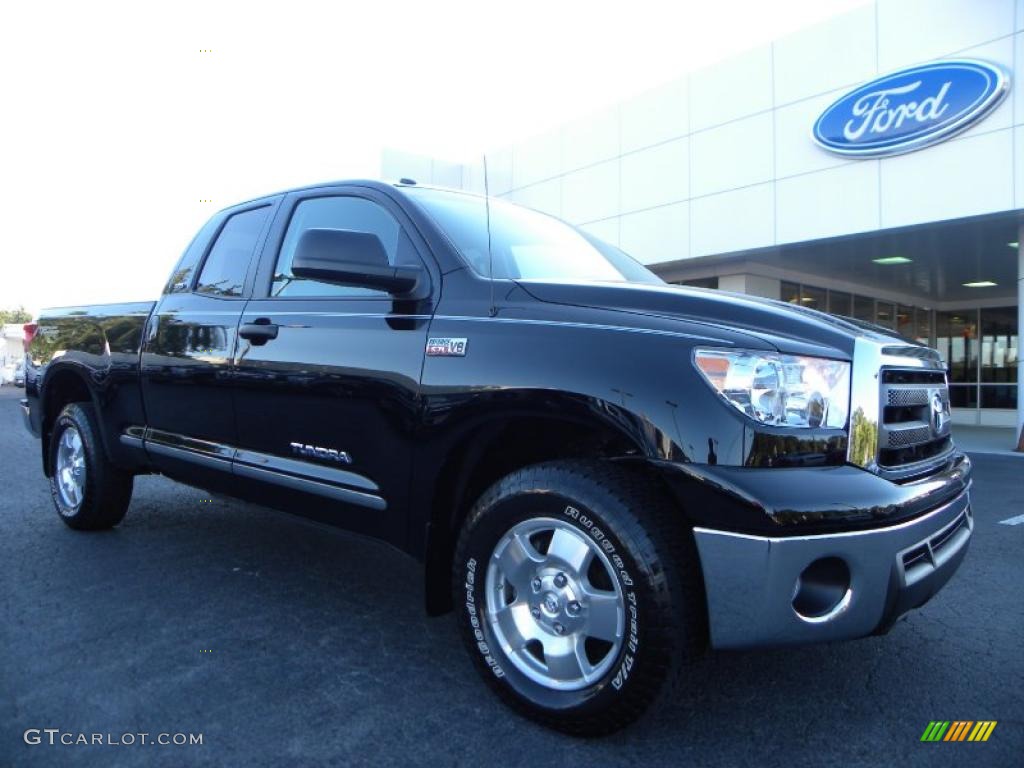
(286, 644)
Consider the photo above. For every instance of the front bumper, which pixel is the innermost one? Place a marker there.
(757, 586)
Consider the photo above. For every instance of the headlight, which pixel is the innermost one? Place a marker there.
(781, 390)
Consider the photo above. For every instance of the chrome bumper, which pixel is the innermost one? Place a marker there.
(755, 584)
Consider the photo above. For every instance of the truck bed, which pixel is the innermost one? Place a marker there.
(102, 342)
(91, 330)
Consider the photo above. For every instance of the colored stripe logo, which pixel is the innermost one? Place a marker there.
(959, 730)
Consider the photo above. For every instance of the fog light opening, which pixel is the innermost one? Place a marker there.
(822, 591)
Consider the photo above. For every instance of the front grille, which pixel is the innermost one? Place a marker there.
(906, 435)
(903, 398)
(914, 423)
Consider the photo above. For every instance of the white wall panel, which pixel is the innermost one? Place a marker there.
(660, 234)
(591, 193)
(473, 179)
(736, 87)
(911, 31)
(827, 203)
(536, 159)
(655, 116)
(1017, 86)
(962, 177)
(655, 176)
(590, 139)
(499, 171)
(1018, 165)
(446, 174)
(732, 155)
(544, 196)
(834, 54)
(732, 221)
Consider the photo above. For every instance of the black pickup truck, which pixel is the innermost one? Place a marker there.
(601, 473)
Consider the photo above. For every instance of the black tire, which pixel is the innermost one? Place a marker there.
(656, 567)
(107, 490)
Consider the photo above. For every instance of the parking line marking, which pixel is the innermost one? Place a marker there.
(1018, 520)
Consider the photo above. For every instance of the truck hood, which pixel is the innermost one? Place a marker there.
(790, 329)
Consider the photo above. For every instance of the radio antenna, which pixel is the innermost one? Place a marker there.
(490, 253)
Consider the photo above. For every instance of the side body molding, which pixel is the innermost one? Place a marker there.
(339, 484)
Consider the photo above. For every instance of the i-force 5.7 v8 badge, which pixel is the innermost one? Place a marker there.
(446, 347)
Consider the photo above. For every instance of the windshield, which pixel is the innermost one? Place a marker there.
(525, 244)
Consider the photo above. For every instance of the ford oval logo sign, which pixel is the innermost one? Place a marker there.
(911, 109)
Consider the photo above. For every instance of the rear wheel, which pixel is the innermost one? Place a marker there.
(88, 491)
(578, 593)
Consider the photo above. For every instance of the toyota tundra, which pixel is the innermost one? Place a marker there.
(602, 474)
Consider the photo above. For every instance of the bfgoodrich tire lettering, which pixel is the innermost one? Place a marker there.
(652, 561)
(88, 491)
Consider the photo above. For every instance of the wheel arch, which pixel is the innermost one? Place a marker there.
(64, 384)
(489, 450)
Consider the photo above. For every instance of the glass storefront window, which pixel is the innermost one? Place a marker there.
(905, 321)
(864, 308)
(812, 298)
(923, 326)
(886, 315)
(998, 395)
(956, 340)
(790, 293)
(701, 282)
(999, 345)
(840, 303)
(963, 396)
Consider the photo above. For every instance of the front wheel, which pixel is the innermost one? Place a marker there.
(578, 592)
(88, 491)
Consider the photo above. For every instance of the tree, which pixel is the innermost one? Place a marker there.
(864, 436)
(18, 315)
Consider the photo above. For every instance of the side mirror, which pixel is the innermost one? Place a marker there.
(345, 257)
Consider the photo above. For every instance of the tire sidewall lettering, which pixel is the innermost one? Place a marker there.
(474, 619)
(632, 640)
(606, 544)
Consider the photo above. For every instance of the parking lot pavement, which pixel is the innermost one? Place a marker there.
(286, 644)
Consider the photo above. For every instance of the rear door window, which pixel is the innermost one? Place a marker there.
(228, 261)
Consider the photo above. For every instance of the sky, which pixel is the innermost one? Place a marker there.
(125, 125)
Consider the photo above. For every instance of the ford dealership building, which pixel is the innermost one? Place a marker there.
(871, 166)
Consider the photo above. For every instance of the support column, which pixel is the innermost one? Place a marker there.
(752, 285)
(1020, 337)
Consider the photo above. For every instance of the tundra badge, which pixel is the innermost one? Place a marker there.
(316, 452)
